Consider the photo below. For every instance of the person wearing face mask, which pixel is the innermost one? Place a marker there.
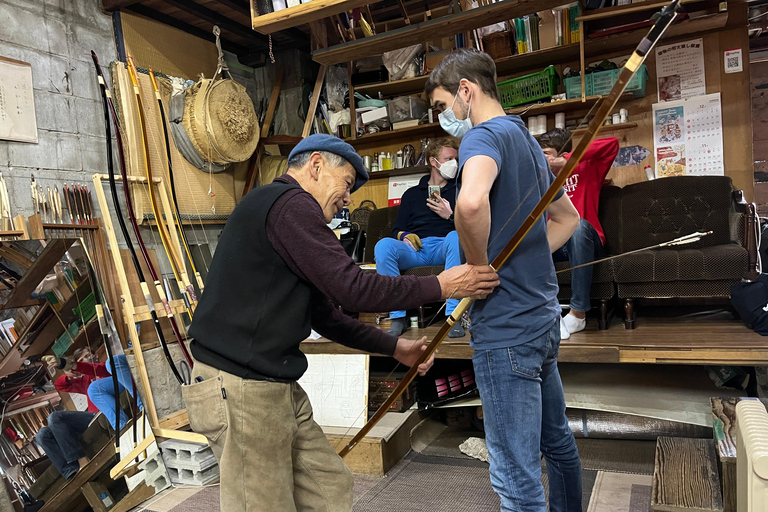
(515, 331)
(275, 273)
(423, 233)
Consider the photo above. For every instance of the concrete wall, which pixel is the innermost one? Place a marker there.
(56, 37)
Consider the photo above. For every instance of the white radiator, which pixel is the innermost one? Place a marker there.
(752, 457)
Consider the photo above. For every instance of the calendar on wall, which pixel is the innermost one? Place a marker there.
(688, 137)
(17, 103)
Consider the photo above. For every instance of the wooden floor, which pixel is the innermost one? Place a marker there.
(672, 335)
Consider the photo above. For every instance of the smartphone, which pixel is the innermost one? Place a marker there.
(434, 191)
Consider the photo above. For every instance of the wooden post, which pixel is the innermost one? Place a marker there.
(273, 99)
(581, 57)
(315, 100)
(352, 113)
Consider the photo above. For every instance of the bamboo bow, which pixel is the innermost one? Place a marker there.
(606, 105)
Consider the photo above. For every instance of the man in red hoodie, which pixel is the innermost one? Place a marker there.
(583, 188)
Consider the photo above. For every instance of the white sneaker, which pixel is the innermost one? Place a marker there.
(564, 334)
(573, 324)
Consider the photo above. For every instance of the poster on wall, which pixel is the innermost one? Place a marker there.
(680, 70)
(398, 185)
(17, 103)
(688, 137)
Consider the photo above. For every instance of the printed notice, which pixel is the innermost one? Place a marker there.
(17, 103)
(688, 137)
(680, 70)
(398, 185)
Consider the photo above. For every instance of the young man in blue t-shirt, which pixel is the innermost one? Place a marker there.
(515, 331)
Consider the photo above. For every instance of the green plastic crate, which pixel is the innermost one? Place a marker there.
(573, 86)
(86, 309)
(602, 82)
(528, 88)
(62, 344)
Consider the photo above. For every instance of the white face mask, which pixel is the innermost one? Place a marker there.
(448, 169)
(455, 127)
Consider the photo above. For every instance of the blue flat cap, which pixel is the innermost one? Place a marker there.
(322, 142)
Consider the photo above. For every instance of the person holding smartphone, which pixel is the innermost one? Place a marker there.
(423, 233)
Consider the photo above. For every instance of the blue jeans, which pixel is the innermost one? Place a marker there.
(584, 246)
(102, 391)
(61, 439)
(524, 416)
(392, 256)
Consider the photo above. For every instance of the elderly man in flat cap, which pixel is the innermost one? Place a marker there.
(276, 271)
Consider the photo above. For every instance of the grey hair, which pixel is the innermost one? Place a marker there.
(333, 160)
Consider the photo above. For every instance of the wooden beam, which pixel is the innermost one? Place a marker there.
(428, 30)
(226, 44)
(315, 100)
(301, 14)
(214, 17)
(273, 99)
(236, 6)
(114, 5)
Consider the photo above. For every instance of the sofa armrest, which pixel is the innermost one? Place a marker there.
(744, 224)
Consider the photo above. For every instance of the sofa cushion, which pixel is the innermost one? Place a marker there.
(609, 213)
(661, 210)
(423, 271)
(721, 262)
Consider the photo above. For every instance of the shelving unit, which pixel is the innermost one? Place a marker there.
(428, 30)
(39, 269)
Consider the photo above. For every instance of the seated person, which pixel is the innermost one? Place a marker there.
(61, 439)
(423, 233)
(586, 243)
(86, 375)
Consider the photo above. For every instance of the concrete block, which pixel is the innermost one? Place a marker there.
(27, 5)
(93, 151)
(18, 24)
(54, 111)
(177, 452)
(154, 472)
(40, 155)
(165, 388)
(84, 81)
(68, 152)
(88, 12)
(192, 477)
(54, 8)
(56, 32)
(83, 38)
(58, 75)
(90, 117)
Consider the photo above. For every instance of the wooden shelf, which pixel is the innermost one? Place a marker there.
(35, 274)
(419, 169)
(415, 132)
(516, 64)
(11, 233)
(612, 12)
(54, 225)
(51, 396)
(300, 14)
(560, 106)
(395, 88)
(608, 128)
(432, 29)
(280, 140)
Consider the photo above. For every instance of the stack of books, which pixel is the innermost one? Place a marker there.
(566, 26)
(527, 33)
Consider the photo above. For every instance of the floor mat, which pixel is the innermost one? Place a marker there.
(621, 492)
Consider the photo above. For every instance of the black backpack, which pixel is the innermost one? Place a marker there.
(750, 300)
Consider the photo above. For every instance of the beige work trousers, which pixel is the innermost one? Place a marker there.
(272, 455)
